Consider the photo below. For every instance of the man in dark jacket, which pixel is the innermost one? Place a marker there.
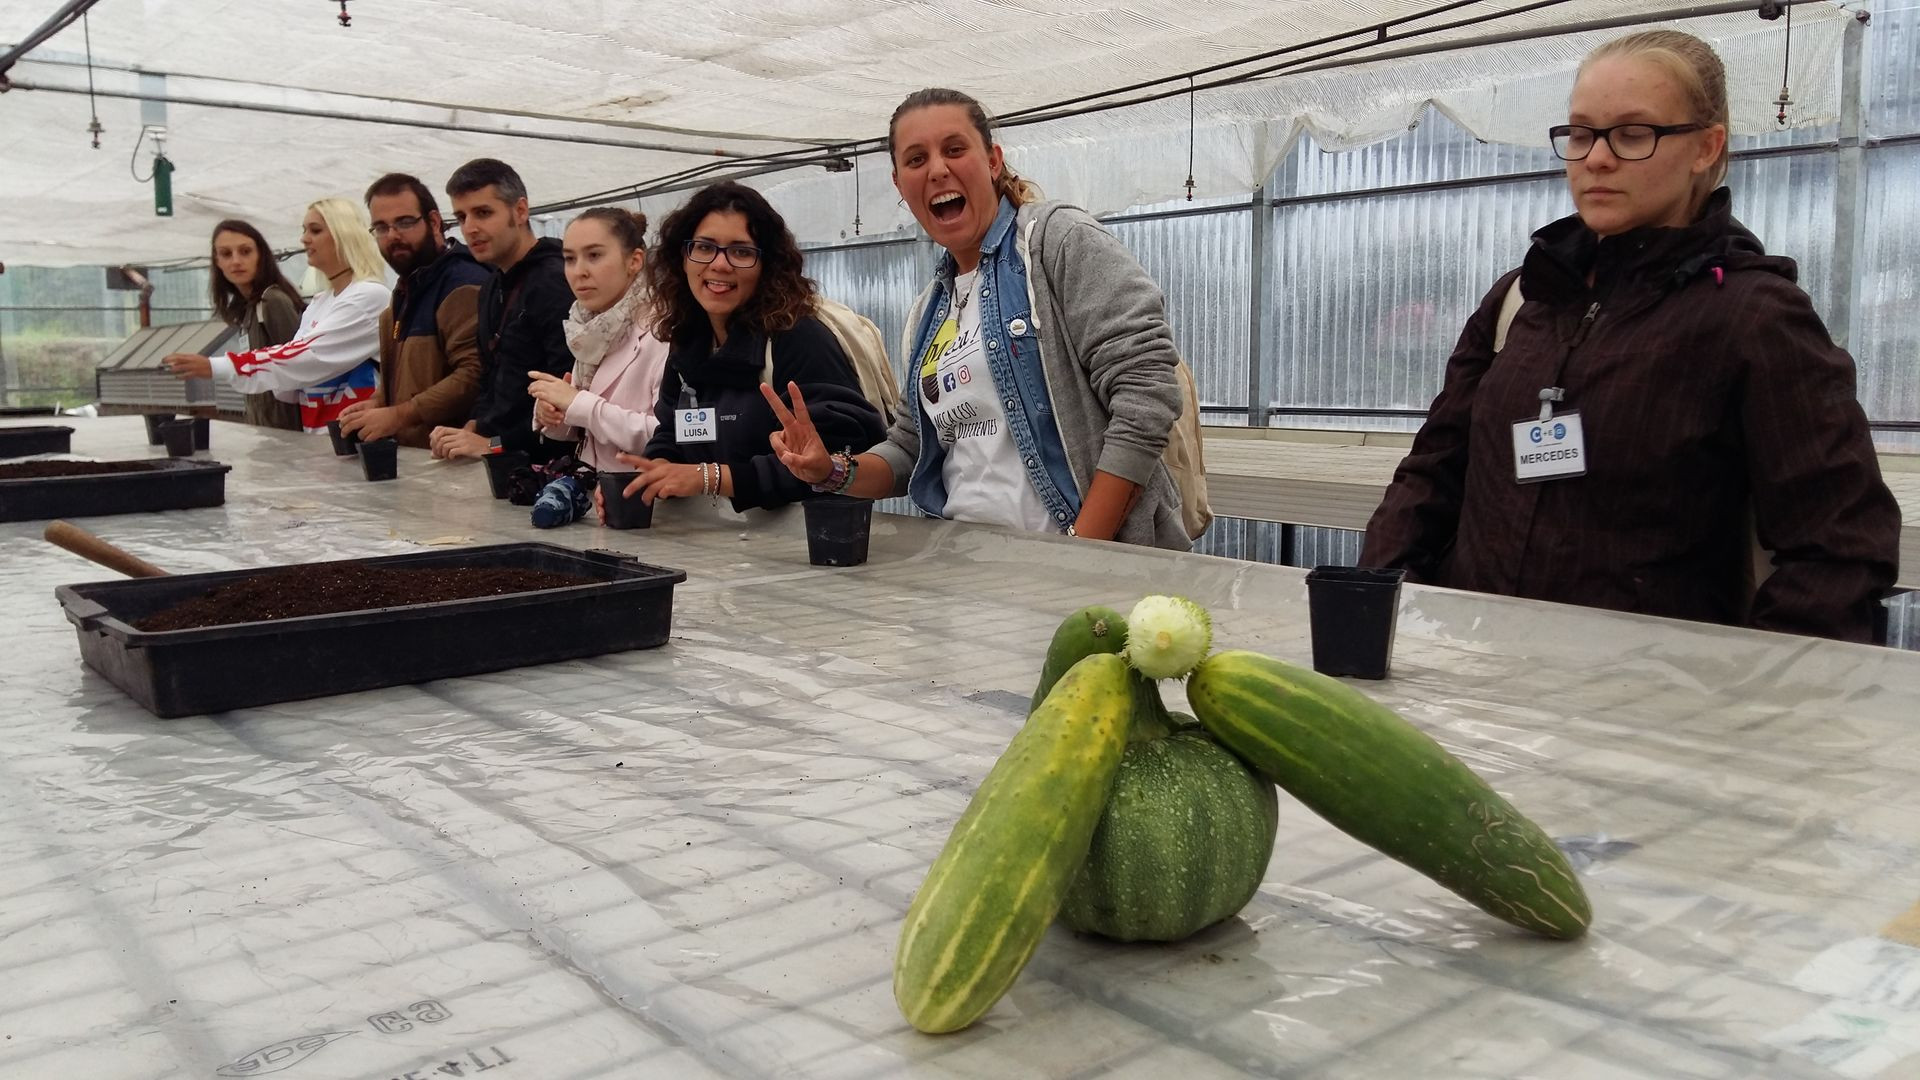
(429, 356)
(523, 312)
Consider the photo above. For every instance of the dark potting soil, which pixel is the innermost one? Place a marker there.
(327, 588)
(27, 470)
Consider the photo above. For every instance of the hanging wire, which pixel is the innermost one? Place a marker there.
(93, 126)
(134, 159)
(1786, 62)
(1189, 138)
(856, 194)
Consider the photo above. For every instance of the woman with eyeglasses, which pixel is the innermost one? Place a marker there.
(330, 362)
(731, 302)
(1648, 415)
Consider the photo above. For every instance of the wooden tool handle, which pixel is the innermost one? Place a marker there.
(88, 546)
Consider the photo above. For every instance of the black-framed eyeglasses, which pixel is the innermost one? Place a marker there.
(1629, 142)
(405, 224)
(739, 256)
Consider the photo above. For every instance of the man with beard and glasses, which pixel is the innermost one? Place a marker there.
(429, 353)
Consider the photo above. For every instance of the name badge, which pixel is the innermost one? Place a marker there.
(1550, 449)
(694, 426)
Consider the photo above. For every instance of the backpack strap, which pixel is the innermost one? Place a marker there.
(1509, 307)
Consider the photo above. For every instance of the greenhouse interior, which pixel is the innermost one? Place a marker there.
(1011, 392)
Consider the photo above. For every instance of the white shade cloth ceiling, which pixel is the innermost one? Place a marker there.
(774, 75)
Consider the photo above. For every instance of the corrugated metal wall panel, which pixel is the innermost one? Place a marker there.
(1888, 290)
(1788, 203)
(1435, 150)
(1370, 292)
(879, 281)
(1892, 105)
(1203, 263)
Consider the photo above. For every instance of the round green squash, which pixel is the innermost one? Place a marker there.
(1184, 841)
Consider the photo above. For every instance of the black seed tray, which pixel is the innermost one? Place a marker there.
(23, 441)
(216, 668)
(173, 484)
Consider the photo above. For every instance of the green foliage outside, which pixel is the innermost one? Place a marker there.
(52, 369)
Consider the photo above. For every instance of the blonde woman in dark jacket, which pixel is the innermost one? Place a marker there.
(1664, 396)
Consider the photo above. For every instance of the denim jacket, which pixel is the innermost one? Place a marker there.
(1012, 345)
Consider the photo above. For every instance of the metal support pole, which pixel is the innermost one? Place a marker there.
(1259, 383)
(1849, 187)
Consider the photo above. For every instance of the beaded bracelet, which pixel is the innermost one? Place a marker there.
(853, 466)
(839, 477)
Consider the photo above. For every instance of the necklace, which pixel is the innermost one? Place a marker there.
(960, 302)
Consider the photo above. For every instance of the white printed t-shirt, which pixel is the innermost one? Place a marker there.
(985, 480)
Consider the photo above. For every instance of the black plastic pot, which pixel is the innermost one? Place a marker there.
(202, 433)
(622, 512)
(343, 445)
(627, 605)
(837, 529)
(1353, 610)
(379, 458)
(500, 466)
(154, 420)
(26, 441)
(177, 435)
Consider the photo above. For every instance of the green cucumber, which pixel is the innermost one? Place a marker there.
(1093, 631)
(1386, 783)
(1006, 867)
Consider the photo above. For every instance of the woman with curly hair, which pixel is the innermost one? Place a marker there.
(731, 302)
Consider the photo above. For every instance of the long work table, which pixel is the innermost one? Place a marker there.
(694, 860)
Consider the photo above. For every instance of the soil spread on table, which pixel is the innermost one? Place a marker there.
(29, 470)
(328, 588)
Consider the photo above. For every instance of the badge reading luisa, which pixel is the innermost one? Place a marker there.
(692, 422)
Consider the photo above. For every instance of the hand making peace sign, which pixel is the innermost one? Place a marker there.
(797, 444)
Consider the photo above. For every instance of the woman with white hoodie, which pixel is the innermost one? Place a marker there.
(332, 360)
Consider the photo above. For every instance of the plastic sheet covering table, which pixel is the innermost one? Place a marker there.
(693, 861)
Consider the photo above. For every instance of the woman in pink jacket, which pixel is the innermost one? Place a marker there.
(606, 404)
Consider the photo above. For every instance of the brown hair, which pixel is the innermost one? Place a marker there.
(629, 227)
(1692, 64)
(784, 294)
(228, 304)
(395, 183)
(1009, 184)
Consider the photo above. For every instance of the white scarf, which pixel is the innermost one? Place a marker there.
(590, 336)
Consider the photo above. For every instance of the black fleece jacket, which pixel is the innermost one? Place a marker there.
(523, 313)
(727, 380)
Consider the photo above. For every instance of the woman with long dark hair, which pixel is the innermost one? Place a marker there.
(731, 301)
(252, 295)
